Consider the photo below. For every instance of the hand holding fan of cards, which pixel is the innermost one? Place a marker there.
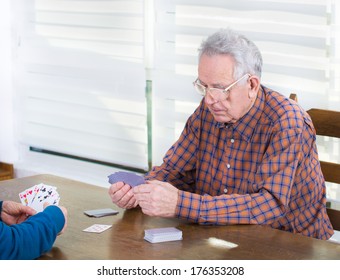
(120, 176)
(127, 177)
(38, 195)
(118, 191)
(152, 235)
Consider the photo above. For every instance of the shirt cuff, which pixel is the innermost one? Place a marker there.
(188, 206)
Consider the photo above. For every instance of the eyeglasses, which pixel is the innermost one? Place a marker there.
(217, 93)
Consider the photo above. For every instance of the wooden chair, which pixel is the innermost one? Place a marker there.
(327, 123)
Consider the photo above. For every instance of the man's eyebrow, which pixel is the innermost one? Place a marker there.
(217, 85)
(199, 80)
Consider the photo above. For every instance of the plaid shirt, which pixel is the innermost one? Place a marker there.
(263, 169)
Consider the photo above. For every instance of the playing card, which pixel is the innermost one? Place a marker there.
(38, 203)
(44, 192)
(129, 178)
(97, 228)
(36, 191)
(37, 195)
(25, 196)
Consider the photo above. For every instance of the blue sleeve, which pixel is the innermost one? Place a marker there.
(33, 237)
(0, 209)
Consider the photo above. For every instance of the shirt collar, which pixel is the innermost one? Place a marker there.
(246, 125)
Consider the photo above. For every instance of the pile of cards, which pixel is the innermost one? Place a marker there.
(129, 178)
(97, 213)
(37, 195)
(163, 234)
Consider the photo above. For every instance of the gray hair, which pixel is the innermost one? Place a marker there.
(247, 57)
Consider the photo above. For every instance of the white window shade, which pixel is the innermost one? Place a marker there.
(80, 78)
(293, 37)
(335, 56)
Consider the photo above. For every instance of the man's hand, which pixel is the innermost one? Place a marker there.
(122, 195)
(157, 198)
(15, 213)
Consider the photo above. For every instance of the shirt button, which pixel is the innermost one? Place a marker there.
(228, 165)
(232, 140)
(225, 190)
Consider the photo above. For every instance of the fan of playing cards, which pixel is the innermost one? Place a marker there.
(37, 195)
(129, 178)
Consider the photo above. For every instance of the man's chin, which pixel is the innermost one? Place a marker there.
(222, 119)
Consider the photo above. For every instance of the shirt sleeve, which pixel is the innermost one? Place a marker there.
(179, 164)
(268, 196)
(33, 237)
(0, 209)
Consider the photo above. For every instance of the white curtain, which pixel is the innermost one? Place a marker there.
(80, 78)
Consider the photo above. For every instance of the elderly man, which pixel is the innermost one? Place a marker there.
(247, 155)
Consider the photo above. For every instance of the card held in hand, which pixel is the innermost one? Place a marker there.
(37, 195)
(129, 178)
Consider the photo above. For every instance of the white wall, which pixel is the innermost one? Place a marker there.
(8, 147)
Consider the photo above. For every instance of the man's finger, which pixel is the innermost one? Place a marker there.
(143, 188)
(142, 196)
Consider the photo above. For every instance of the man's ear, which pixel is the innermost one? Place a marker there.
(254, 87)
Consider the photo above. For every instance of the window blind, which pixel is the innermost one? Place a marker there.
(80, 68)
(293, 37)
(296, 38)
(80, 78)
(329, 148)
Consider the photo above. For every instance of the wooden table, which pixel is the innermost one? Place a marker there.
(125, 241)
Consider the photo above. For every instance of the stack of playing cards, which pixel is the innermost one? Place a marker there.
(37, 195)
(97, 213)
(129, 178)
(163, 234)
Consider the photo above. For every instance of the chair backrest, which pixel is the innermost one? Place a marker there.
(327, 123)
